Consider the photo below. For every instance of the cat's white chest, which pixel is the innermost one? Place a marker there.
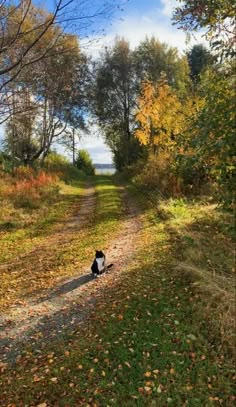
(100, 263)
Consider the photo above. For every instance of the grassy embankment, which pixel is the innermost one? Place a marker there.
(31, 235)
(155, 338)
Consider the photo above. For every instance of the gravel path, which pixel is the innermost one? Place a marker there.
(68, 304)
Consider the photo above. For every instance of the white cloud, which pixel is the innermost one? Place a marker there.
(97, 149)
(168, 7)
(2, 132)
(95, 145)
(137, 27)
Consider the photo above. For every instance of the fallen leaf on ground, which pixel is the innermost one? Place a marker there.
(147, 374)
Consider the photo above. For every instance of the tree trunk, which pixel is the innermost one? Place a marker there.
(73, 146)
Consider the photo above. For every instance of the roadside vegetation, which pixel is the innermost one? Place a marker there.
(153, 338)
(35, 233)
(31, 201)
(160, 331)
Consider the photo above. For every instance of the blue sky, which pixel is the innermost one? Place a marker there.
(140, 18)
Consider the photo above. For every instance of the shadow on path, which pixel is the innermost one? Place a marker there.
(39, 324)
(69, 286)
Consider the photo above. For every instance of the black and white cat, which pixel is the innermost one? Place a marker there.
(99, 264)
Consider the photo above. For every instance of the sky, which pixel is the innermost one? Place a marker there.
(139, 19)
(142, 18)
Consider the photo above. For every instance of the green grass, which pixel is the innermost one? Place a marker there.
(30, 226)
(147, 342)
(103, 225)
(56, 262)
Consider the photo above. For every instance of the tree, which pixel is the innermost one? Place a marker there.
(159, 116)
(19, 141)
(49, 101)
(84, 162)
(61, 96)
(217, 16)
(214, 131)
(22, 27)
(153, 59)
(114, 97)
(28, 34)
(199, 58)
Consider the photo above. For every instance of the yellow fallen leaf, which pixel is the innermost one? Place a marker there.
(42, 405)
(54, 379)
(172, 371)
(147, 374)
(67, 353)
(149, 383)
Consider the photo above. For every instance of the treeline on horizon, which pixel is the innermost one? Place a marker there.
(168, 118)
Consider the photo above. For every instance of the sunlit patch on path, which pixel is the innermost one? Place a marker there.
(69, 303)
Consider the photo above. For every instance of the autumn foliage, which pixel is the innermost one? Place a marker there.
(28, 188)
(159, 116)
(190, 140)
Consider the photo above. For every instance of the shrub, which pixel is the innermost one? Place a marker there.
(193, 172)
(23, 173)
(28, 188)
(58, 164)
(6, 163)
(172, 175)
(158, 173)
(84, 162)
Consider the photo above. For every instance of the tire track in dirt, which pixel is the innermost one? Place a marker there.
(69, 304)
(62, 234)
(38, 269)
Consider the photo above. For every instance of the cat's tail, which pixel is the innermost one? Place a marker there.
(110, 265)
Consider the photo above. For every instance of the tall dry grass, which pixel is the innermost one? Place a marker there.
(27, 188)
(219, 292)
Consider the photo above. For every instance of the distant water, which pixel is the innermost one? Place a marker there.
(105, 171)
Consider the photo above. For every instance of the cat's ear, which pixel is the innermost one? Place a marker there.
(96, 251)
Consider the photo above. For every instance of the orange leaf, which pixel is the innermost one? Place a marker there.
(147, 374)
